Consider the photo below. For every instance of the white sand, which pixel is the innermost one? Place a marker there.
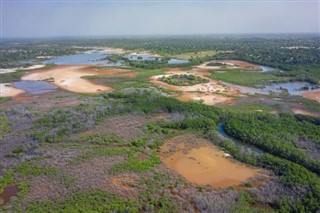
(7, 90)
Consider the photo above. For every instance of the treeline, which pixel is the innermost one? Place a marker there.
(280, 135)
(304, 184)
(183, 80)
(23, 53)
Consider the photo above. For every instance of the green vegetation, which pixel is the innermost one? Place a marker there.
(4, 99)
(289, 142)
(133, 164)
(90, 201)
(30, 168)
(183, 80)
(247, 78)
(276, 135)
(16, 76)
(11, 77)
(154, 197)
(6, 180)
(4, 126)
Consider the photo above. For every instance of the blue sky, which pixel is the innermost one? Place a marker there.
(108, 18)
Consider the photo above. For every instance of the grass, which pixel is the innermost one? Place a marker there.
(135, 165)
(16, 76)
(154, 197)
(247, 78)
(4, 99)
(29, 168)
(247, 107)
(200, 54)
(6, 180)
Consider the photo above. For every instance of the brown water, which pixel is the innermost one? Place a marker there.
(207, 165)
(8, 193)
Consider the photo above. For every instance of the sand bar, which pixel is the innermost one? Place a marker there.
(7, 90)
(69, 77)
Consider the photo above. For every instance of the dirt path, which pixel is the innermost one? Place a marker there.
(69, 77)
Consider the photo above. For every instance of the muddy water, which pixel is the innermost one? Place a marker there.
(207, 166)
(8, 193)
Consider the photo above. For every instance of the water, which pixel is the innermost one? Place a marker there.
(8, 193)
(35, 87)
(151, 58)
(238, 143)
(99, 58)
(142, 58)
(178, 61)
(96, 58)
(266, 68)
(293, 88)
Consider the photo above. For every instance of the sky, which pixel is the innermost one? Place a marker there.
(52, 18)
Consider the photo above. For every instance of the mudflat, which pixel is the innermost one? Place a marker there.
(204, 164)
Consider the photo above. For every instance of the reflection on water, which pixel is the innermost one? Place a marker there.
(293, 88)
(83, 58)
(100, 58)
(35, 87)
(177, 61)
(266, 68)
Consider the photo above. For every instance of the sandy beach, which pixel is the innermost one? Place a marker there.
(69, 77)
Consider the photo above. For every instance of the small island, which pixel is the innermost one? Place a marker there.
(183, 80)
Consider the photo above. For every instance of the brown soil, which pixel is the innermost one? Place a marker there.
(45, 188)
(211, 93)
(314, 95)
(305, 112)
(204, 164)
(242, 64)
(69, 77)
(124, 182)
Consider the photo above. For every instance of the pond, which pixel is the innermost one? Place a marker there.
(35, 87)
(8, 193)
(101, 58)
(142, 58)
(83, 58)
(293, 88)
(178, 61)
(266, 68)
